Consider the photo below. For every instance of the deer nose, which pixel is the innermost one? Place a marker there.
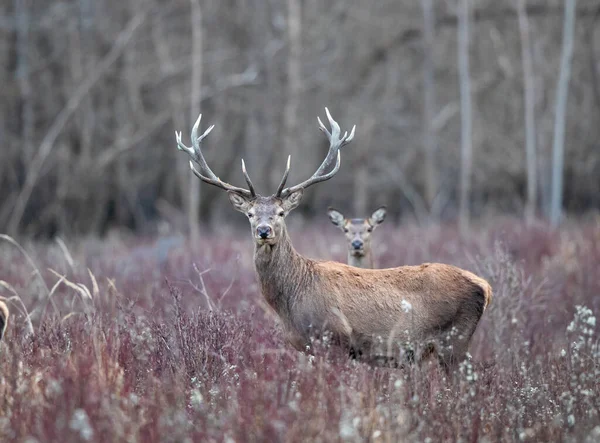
(263, 231)
(357, 244)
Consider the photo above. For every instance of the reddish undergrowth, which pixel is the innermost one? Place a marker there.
(158, 340)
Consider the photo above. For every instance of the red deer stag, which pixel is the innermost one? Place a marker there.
(373, 313)
(3, 318)
(358, 235)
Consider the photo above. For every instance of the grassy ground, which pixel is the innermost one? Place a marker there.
(158, 340)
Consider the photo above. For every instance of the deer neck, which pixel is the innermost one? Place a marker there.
(364, 261)
(283, 273)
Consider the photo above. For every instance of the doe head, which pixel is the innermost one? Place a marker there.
(357, 230)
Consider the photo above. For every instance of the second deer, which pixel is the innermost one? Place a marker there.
(358, 235)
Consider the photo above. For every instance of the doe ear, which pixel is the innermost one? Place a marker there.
(239, 202)
(378, 216)
(336, 217)
(292, 200)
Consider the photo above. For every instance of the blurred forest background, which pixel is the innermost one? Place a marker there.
(463, 109)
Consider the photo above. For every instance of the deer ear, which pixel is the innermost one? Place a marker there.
(239, 202)
(336, 217)
(378, 216)
(293, 200)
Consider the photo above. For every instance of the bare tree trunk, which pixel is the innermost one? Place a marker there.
(85, 116)
(562, 89)
(465, 113)
(429, 136)
(530, 125)
(23, 24)
(361, 178)
(544, 164)
(294, 82)
(193, 183)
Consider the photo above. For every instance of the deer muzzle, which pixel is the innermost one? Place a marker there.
(357, 245)
(264, 231)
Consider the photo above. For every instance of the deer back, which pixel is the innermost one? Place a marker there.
(405, 303)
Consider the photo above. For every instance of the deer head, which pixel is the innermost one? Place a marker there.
(358, 235)
(266, 214)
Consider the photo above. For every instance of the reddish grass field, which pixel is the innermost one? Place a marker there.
(157, 340)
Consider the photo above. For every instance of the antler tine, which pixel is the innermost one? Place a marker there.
(334, 139)
(248, 181)
(335, 143)
(195, 150)
(284, 178)
(205, 173)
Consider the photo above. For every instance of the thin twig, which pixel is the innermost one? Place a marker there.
(202, 290)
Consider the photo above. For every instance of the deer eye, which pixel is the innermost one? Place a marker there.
(369, 229)
(282, 213)
(250, 215)
(346, 230)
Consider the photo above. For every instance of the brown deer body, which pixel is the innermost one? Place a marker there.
(374, 314)
(358, 235)
(3, 318)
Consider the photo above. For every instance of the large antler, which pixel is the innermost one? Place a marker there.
(335, 143)
(205, 174)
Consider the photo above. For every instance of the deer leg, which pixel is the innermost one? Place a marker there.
(427, 353)
(355, 353)
(296, 341)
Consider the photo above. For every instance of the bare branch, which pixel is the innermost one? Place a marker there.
(63, 117)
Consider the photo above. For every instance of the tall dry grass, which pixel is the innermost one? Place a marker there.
(158, 340)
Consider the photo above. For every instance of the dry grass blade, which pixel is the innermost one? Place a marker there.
(50, 300)
(95, 288)
(67, 254)
(80, 288)
(68, 316)
(36, 269)
(112, 286)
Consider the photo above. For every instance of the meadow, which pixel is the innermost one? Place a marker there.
(159, 340)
